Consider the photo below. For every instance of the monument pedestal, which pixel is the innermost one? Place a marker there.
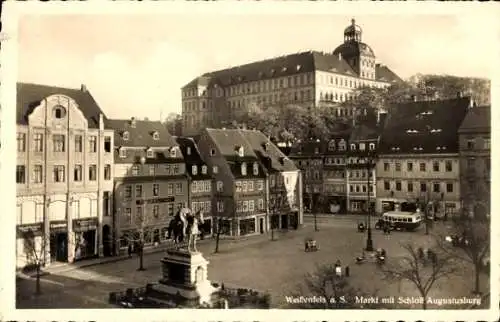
(184, 279)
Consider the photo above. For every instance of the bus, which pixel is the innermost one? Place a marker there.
(401, 220)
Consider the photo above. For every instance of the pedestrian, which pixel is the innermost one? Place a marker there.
(129, 250)
(347, 271)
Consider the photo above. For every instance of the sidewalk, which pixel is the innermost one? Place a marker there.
(230, 243)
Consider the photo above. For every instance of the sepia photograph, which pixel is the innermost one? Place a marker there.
(227, 160)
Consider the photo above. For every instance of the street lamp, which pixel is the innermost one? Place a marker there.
(369, 240)
(141, 229)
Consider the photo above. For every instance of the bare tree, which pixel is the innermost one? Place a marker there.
(421, 268)
(277, 205)
(137, 236)
(468, 240)
(316, 201)
(332, 291)
(219, 228)
(35, 253)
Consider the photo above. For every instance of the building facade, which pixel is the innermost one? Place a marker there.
(335, 186)
(419, 156)
(201, 183)
(475, 161)
(240, 193)
(308, 157)
(150, 182)
(307, 78)
(361, 169)
(283, 183)
(64, 174)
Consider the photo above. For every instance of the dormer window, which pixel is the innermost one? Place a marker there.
(265, 146)
(240, 151)
(331, 145)
(173, 152)
(126, 136)
(255, 168)
(298, 67)
(411, 131)
(436, 130)
(123, 153)
(361, 146)
(342, 145)
(188, 150)
(194, 170)
(150, 153)
(284, 69)
(371, 146)
(282, 160)
(353, 147)
(215, 169)
(204, 169)
(156, 136)
(212, 152)
(244, 169)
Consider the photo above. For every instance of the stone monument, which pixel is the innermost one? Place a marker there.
(184, 280)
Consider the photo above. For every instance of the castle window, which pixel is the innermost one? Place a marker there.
(353, 147)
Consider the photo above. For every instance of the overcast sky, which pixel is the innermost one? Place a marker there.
(136, 65)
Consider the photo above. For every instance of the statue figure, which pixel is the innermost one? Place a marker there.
(190, 226)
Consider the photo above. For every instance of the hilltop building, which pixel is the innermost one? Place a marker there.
(308, 78)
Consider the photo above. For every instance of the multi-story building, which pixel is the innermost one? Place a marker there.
(64, 174)
(308, 157)
(361, 174)
(150, 182)
(283, 184)
(240, 192)
(308, 78)
(201, 185)
(335, 187)
(475, 160)
(418, 155)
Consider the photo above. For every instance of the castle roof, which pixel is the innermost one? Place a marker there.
(478, 119)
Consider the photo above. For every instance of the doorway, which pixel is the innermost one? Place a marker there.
(59, 247)
(106, 240)
(284, 221)
(261, 224)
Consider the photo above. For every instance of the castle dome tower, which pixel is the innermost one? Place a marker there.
(356, 53)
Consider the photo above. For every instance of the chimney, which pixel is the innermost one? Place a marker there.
(340, 56)
(132, 122)
(101, 122)
(83, 88)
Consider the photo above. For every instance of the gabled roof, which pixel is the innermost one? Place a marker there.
(30, 95)
(193, 158)
(478, 119)
(286, 65)
(142, 134)
(302, 149)
(385, 74)
(424, 127)
(273, 159)
(228, 141)
(363, 133)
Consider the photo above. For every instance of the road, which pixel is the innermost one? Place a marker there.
(256, 262)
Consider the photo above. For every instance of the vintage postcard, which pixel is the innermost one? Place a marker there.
(260, 161)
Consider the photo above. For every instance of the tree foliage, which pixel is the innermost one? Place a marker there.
(173, 123)
(35, 253)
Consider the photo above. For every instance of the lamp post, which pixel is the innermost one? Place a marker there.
(141, 228)
(369, 240)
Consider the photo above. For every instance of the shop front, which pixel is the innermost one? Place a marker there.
(58, 241)
(29, 244)
(85, 231)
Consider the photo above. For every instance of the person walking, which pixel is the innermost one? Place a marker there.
(129, 250)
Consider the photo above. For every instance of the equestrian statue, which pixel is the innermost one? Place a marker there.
(185, 224)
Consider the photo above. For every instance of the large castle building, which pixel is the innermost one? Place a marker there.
(309, 78)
